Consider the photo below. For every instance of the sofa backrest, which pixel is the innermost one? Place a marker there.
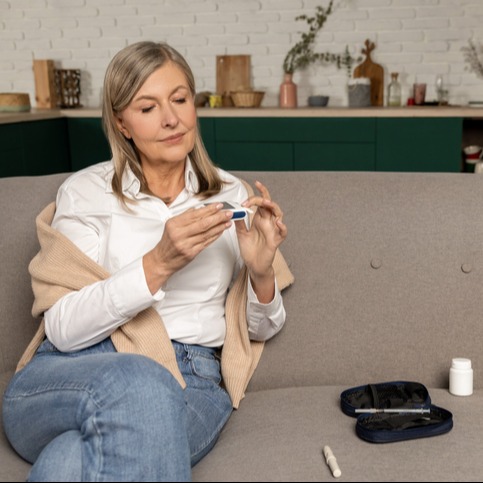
(388, 278)
(388, 268)
(21, 199)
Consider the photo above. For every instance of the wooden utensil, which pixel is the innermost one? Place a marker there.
(373, 71)
(232, 73)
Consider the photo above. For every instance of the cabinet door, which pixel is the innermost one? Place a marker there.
(88, 144)
(253, 156)
(302, 129)
(12, 144)
(419, 144)
(34, 148)
(296, 143)
(335, 157)
(207, 132)
(47, 148)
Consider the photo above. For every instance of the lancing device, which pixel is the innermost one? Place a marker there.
(332, 462)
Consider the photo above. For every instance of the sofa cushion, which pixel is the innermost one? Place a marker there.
(278, 435)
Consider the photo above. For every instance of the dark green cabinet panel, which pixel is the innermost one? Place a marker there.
(419, 144)
(257, 143)
(334, 157)
(254, 156)
(88, 143)
(207, 132)
(300, 143)
(296, 129)
(34, 148)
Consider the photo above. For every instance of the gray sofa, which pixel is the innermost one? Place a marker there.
(389, 286)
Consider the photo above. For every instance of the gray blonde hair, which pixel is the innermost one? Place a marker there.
(126, 73)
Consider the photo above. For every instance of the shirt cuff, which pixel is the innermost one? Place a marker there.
(261, 307)
(129, 291)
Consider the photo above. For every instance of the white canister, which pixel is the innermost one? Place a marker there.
(461, 377)
(359, 90)
(479, 167)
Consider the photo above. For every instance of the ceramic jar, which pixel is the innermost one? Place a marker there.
(288, 91)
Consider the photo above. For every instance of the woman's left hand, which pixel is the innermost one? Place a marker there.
(259, 244)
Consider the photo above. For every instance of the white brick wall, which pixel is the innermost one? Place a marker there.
(418, 38)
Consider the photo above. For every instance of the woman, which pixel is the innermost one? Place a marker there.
(122, 381)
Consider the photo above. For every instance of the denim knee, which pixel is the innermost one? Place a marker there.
(137, 377)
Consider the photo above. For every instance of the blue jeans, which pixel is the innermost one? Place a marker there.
(100, 415)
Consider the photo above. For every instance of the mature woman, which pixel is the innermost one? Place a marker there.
(144, 282)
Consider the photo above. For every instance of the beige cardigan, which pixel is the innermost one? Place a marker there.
(60, 267)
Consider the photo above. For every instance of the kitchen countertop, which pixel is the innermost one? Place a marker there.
(206, 112)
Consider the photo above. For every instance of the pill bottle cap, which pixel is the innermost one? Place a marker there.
(461, 363)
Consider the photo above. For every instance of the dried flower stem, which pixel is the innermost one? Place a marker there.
(302, 53)
(471, 55)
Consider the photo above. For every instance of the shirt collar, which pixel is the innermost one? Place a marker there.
(190, 179)
(131, 185)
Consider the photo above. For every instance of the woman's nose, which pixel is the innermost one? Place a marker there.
(169, 118)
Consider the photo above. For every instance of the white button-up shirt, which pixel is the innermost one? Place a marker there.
(191, 303)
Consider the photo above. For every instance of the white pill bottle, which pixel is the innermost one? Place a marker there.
(461, 377)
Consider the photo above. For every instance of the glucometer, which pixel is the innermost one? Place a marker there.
(238, 210)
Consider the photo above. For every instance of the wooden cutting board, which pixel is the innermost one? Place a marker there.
(373, 71)
(232, 73)
(44, 74)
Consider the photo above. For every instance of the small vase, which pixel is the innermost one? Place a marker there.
(288, 91)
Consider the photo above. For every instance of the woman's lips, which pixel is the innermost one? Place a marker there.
(173, 139)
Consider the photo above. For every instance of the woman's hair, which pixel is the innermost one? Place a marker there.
(125, 75)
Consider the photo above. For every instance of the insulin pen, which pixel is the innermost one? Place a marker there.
(395, 411)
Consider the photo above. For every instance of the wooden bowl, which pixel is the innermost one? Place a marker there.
(247, 98)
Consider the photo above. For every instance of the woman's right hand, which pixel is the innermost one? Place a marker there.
(184, 236)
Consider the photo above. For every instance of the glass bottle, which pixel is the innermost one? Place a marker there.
(394, 91)
(439, 88)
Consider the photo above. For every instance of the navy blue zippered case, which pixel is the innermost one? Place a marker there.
(399, 425)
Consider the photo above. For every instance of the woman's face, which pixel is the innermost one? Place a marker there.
(161, 118)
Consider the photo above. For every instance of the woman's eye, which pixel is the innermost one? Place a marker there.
(180, 100)
(147, 109)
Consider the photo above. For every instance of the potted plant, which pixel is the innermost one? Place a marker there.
(302, 54)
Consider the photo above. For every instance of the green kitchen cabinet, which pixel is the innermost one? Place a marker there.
(253, 143)
(251, 156)
(419, 144)
(295, 143)
(88, 143)
(207, 132)
(335, 157)
(34, 148)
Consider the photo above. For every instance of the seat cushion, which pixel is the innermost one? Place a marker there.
(278, 435)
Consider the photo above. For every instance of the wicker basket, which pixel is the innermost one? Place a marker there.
(247, 98)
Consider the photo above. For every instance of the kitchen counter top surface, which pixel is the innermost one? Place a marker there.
(322, 112)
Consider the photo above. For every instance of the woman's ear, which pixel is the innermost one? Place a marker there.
(122, 128)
